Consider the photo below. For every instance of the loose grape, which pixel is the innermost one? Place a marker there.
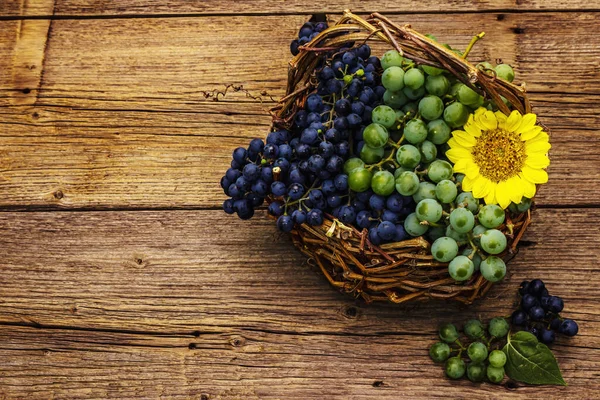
(359, 179)
(428, 151)
(433, 71)
(455, 368)
(493, 268)
(568, 327)
(477, 351)
(467, 200)
(495, 375)
(461, 238)
(439, 352)
(383, 115)
(407, 183)
(413, 226)
(485, 65)
(391, 59)
(493, 241)
(461, 268)
(438, 132)
(478, 231)
(448, 333)
(414, 94)
(376, 135)
(446, 191)
(383, 183)
(370, 155)
(476, 372)
(456, 114)
(408, 156)
(352, 164)
(431, 107)
(444, 249)
(414, 78)
(429, 210)
(415, 131)
(497, 358)
(476, 258)
(462, 220)
(437, 85)
(394, 99)
(426, 191)
(498, 327)
(491, 216)
(467, 96)
(474, 329)
(439, 170)
(393, 78)
(504, 71)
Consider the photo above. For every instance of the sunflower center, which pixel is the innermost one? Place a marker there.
(499, 154)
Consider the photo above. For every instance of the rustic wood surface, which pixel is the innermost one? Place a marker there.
(121, 278)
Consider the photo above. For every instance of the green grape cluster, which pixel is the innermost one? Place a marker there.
(479, 357)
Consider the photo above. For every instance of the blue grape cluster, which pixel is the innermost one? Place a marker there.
(539, 313)
(307, 33)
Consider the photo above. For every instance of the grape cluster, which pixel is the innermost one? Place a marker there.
(307, 32)
(484, 357)
(539, 313)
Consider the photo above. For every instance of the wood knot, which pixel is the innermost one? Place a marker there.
(378, 384)
(500, 17)
(237, 341)
(192, 346)
(204, 396)
(26, 91)
(518, 30)
(511, 385)
(58, 195)
(350, 312)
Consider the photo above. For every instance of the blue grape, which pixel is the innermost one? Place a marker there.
(377, 202)
(347, 214)
(276, 208)
(390, 216)
(386, 230)
(239, 155)
(314, 102)
(341, 182)
(343, 107)
(251, 172)
(285, 223)
(569, 327)
(228, 206)
(260, 187)
(295, 191)
(400, 234)
(234, 191)
(271, 151)
(314, 217)
(334, 200)
(278, 189)
(374, 236)
(363, 219)
(315, 195)
(395, 202)
(299, 216)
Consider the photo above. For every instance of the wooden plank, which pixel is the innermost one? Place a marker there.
(182, 303)
(26, 8)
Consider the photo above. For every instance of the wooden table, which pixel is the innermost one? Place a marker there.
(120, 277)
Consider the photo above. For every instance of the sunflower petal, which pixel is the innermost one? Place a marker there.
(488, 120)
(513, 121)
(501, 117)
(527, 122)
(456, 153)
(537, 146)
(528, 187)
(472, 169)
(490, 198)
(515, 189)
(537, 160)
(464, 139)
(503, 194)
(482, 187)
(535, 175)
(530, 133)
(467, 184)
(460, 166)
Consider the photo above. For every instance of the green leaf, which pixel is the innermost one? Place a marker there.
(531, 362)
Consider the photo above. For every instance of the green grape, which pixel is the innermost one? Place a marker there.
(429, 210)
(461, 238)
(437, 85)
(468, 96)
(359, 179)
(476, 372)
(431, 107)
(454, 88)
(352, 164)
(491, 216)
(393, 78)
(438, 132)
(497, 358)
(485, 65)
(439, 170)
(428, 151)
(498, 327)
(459, 178)
(462, 220)
(413, 226)
(503, 71)
(467, 200)
(444, 249)
(376, 135)
(383, 183)
(384, 115)
(414, 78)
(448, 333)
(426, 191)
(400, 114)
(477, 352)
(478, 231)
(455, 368)
(456, 114)
(474, 329)
(495, 375)
(400, 170)
(410, 108)
(476, 258)
(415, 131)
(446, 191)
(493, 241)
(370, 155)
(435, 232)
(493, 268)
(432, 71)
(439, 352)
(523, 206)
(461, 268)
(391, 59)
(414, 94)
(407, 183)
(394, 99)
(408, 156)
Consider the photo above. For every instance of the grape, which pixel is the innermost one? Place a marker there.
(426, 191)
(394, 99)
(446, 191)
(413, 226)
(476, 372)
(536, 313)
(428, 151)
(376, 135)
(393, 78)
(429, 210)
(239, 155)
(228, 206)
(285, 223)
(474, 329)
(386, 230)
(556, 304)
(461, 238)
(519, 318)
(431, 107)
(353, 163)
(536, 287)
(299, 216)
(456, 115)
(477, 352)
(523, 206)
(415, 131)
(467, 200)
(438, 132)
(455, 368)
(548, 336)
(295, 191)
(407, 183)
(462, 220)
(461, 268)
(383, 183)
(467, 96)
(505, 71)
(485, 65)
(314, 217)
(414, 78)
(439, 170)
(414, 94)
(439, 352)
(359, 179)
(491, 216)
(493, 241)
(408, 156)
(437, 85)
(497, 358)
(495, 375)
(314, 102)
(448, 333)
(477, 232)
(569, 327)
(316, 163)
(498, 327)
(391, 59)
(476, 258)
(493, 268)
(383, 115)
(432, 71)
(444, 249)
(410, 108)
(528, 301)
(371, 155)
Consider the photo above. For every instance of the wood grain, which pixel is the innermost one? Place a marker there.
(180, 303)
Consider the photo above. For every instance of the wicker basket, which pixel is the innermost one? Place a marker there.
(402, 271)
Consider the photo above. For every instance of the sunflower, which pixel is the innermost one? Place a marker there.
(502, 158)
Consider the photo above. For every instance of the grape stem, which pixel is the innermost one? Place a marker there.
(391, 157)
(472, 43)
